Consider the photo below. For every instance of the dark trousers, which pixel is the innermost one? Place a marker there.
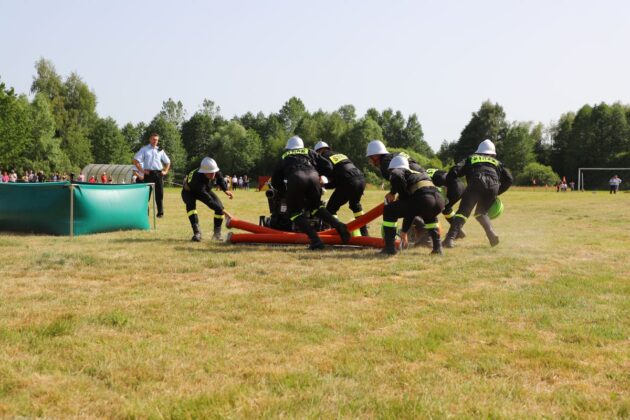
(211, 200)
(424, 204)
(156, 177)
(349, 190)
(454, 193)
(481, 193)
(613, 189)
(303, 191)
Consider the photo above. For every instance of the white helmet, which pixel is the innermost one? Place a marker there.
(208, 166)
(399, 162)
(321, 145)
(376, 147)
(294, 143)
(486, 147)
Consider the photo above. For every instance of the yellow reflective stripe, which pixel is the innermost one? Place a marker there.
(190, 213)
(358, 213)
(303, 151)
(431, 172)
(389, 224)
(461, 216)
(218, 216)
(335, 159)
(474, 159)
(295, 216)
(451, 214)
(432, 225)
(190, 175)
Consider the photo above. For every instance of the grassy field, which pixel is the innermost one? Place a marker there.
(148, 324)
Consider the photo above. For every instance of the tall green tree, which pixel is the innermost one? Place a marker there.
(291, 113)
(173, 112)
(133, 135)
(236, 149)
(15, 127)
(517, 148)
(487, 123)
(108, 143)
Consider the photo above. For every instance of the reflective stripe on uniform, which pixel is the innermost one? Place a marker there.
(389, 224)
(218, 216)
(190, 213)
(432, 225)
(461, 216)
(420, 184)
(474, 159)
(303, 151)
(451, 214)
(431, 172)
(335, 159)
(295, 216)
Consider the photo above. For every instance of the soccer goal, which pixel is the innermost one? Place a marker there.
(598, 179)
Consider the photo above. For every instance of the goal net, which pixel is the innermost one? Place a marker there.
(592, 179)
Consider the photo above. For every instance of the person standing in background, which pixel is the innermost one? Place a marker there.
(154, 164)
(614, 184)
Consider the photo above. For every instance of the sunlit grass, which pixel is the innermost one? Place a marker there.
(148, 324)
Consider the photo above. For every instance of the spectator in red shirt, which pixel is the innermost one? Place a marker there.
(92, 180)
(104, 178)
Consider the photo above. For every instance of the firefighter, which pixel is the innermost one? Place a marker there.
(347, 180)
(298, 176)
(198, 186)
(380, 158)
(417, 197)
(487, 178)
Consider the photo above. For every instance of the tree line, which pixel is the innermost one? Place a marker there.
(59, 130)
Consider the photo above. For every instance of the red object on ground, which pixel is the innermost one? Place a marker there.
(262, 180)
(263, 234)
(301, 238)
(360, 221)
(234, 223)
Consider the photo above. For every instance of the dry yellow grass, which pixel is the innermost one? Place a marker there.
(148, 324)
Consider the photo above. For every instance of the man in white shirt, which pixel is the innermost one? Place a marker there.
(154, 164)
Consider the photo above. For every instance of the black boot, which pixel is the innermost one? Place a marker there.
(389, 234)
(302, 223)
(486, 224)
(435, 238)
(218, 221)
(364, 231)
(194, 222)
(453, 232)
(325, 215)
(461, 234)
(196, 233)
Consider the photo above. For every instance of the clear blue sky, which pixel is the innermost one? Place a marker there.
(438, 59)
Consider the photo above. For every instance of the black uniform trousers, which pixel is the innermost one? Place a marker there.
(348, 190)
(213, 202)
(157, 178)
(482, 191)
(426, 203)
(453, 194)
(303, 191)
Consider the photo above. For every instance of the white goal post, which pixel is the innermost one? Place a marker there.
(580, 185)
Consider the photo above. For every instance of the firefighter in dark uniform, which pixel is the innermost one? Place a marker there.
(487, 178)
(417, 197)
(347, 180)
(297, 176)
(380, 158)
(198, 186)
(452, 191)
